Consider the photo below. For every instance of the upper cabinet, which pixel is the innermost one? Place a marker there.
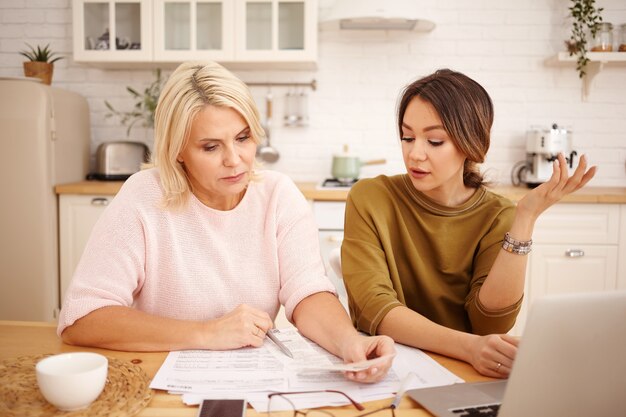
(278, 30)
(193, 29)
(228, 31)
(112, 31)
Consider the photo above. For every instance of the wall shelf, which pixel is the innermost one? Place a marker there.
(597, 61)
(598, 57)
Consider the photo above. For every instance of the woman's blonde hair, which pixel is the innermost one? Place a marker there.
(190, 88)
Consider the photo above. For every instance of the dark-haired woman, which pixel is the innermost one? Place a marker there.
(433, 258)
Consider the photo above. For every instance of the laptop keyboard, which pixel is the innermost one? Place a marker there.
(488, 410)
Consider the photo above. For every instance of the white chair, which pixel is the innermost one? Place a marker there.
(334, 259)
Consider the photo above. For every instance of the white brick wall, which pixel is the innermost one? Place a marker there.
(504, 44)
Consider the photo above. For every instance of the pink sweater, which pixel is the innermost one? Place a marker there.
(199, 263)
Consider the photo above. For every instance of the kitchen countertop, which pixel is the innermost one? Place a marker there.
(610, 195)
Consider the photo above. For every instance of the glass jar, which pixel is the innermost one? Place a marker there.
(603, 41)
(622, 42)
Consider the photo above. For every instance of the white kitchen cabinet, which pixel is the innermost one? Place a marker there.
(77, 216)
(276, 31)
(193, 29)
(575, 249)
(558, 269)
(112, 31)
(282, 32)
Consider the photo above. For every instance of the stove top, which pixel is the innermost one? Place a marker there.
(336, 183)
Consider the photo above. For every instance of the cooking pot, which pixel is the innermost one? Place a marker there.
(347, 167)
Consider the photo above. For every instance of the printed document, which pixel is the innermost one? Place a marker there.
(253, 373)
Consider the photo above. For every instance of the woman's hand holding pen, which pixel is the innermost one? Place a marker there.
(359, 348)
(244, 326)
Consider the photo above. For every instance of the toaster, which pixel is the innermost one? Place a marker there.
(116, 161)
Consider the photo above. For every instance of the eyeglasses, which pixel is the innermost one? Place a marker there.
(280, 405)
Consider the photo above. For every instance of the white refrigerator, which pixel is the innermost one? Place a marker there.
(44, 141)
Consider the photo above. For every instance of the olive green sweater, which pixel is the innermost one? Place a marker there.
(402, 248)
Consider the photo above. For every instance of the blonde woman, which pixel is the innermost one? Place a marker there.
(199, 252)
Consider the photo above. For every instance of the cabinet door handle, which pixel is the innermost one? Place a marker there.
(99, 201)
(334, 239)
(574, 253)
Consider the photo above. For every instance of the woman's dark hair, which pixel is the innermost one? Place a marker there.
(465, 110)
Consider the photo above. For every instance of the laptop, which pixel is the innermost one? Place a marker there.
(571, 361)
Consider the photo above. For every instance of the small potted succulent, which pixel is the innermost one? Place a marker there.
(40, 63)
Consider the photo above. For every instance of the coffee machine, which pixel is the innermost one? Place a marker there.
(542, 148)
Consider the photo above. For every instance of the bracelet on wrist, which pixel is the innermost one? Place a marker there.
(518, 247)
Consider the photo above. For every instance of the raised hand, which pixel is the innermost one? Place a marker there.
(559, 185)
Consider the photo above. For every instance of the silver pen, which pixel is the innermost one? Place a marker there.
(278, 343)
(402, 390)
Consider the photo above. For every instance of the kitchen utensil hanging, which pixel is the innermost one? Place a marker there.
(265, 151)
(303, 108)
(291, 115)
(296, 108)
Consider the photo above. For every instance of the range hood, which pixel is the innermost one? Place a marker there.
(376, 15)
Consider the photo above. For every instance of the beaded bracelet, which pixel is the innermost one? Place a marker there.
(518, 247)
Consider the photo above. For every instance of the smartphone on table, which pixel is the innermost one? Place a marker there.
(223, 408)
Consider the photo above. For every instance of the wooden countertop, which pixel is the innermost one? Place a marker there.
(33, 338)
(311, 190)
(90, 187)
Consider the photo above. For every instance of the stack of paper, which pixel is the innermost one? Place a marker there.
(253, 373)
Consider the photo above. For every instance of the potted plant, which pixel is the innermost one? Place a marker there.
(586, 18)
(40, 63)
(145, 105)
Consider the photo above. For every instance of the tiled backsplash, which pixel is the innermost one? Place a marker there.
(505, 45)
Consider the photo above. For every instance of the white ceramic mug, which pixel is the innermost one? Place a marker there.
(72, 381)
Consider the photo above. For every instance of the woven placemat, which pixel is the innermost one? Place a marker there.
(125, 394)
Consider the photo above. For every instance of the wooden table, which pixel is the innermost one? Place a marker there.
(32, 338)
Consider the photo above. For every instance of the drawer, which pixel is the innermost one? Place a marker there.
(554, 270)
(329, 214)
(578, 223)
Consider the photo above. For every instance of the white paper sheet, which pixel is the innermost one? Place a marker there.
(309, 357)
(255, 372)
